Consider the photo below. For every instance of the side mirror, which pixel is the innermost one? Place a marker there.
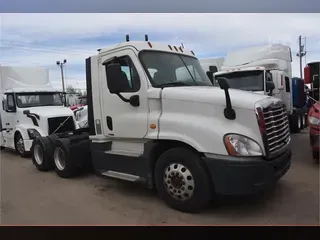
(26, 112)
(115, 78)
(4, 105)
(223, 83)
(270, 86)
(213, 69)
(210, 76)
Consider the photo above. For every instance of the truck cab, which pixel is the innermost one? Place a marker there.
(253, 69)
(29, 111)
(155, 118)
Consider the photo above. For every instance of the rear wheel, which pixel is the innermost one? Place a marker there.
(295, 123)
(64, 165)
(19, 145)
(181, 180)
(303, 121)
(315, 155)
(42, 154)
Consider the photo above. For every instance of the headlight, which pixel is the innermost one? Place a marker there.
(238, 145)
(314, 121)
(33, 133)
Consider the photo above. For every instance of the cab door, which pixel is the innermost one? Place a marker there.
(8, 118)
(120, 119)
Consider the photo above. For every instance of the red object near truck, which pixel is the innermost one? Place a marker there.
(83, 102)
(314, 132)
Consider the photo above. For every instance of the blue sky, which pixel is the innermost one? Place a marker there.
(42, 39)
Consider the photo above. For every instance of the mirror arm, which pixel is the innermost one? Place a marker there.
(229, 112)
(122, 98)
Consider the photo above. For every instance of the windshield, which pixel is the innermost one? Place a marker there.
(25, 100)
(244, 80)
(170, 69)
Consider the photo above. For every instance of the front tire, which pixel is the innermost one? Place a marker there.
(19, 146)
(181, 181)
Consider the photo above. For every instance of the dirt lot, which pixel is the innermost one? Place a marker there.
(32, 197)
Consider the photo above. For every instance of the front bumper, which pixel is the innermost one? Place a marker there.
(245, 176)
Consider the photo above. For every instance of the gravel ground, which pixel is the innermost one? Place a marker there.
(32, 197)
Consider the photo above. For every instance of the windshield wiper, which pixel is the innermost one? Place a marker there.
(173, 84)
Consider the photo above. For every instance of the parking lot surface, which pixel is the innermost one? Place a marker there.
(32, 197)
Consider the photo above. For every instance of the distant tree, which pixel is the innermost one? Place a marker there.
(71, 90)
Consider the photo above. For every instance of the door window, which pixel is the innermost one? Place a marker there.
(129, 70)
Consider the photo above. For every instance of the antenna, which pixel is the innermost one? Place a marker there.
(127, 38)
(146, 38)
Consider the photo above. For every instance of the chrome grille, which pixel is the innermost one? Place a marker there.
(277, 128)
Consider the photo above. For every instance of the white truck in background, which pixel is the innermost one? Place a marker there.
(185, 138)
(253, 69)
(31, 107)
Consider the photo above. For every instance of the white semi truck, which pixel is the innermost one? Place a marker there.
(180, 135)
(252, 69)
(31, 107)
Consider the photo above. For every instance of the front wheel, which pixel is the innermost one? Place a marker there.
(19, 145)
(181, 180)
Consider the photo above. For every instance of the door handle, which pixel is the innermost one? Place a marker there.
(109, 123)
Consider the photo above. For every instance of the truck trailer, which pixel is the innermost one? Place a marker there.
(251, 69)
(171, 130)
(31, 107)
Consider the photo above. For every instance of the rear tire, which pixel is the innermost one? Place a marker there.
(303, 121)
(295, 123)
(181, 181)
(19, 146)
(63, 163)
(42, 154)
(315, 155)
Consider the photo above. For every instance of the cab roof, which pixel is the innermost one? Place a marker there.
(243, 69)
(148, 45)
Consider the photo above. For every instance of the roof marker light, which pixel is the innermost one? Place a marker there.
(192, 53)
(149, 44)
(170, 47)
(180, 48)
(175, 48)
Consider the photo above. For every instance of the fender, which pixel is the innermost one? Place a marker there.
(205, 132)
(22, 128)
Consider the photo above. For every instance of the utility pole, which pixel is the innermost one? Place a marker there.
(60, 64)
(301, 54)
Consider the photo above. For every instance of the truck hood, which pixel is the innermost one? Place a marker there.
(51, 111)
(213, 95)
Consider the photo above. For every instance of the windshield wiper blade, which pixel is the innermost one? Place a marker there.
(173, 84)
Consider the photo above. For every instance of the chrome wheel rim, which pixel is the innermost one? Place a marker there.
(59, 158)
(38, 154)
(179, 182)
(20, 145)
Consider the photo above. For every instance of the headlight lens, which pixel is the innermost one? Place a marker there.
(238, 145)
(33, 133)
(314, 121)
